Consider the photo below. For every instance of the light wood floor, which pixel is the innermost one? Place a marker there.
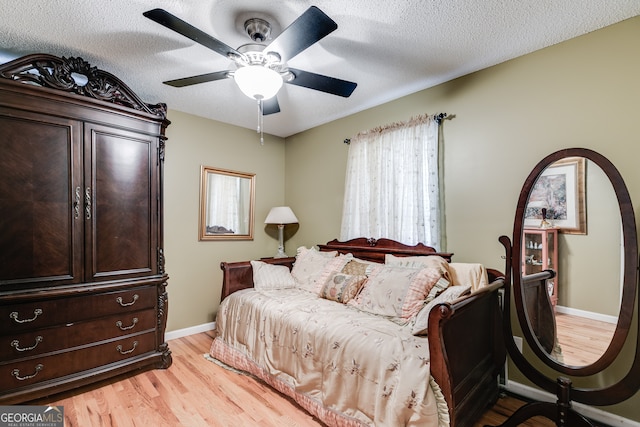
(582, 341)
(194, 392)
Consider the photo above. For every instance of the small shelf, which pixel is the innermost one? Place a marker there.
(540, 252)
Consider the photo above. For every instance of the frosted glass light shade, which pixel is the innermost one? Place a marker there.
(258, 82)
(281, 215)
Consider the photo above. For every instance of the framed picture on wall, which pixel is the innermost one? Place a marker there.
(560, 191)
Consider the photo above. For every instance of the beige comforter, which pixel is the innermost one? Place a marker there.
(344, 366)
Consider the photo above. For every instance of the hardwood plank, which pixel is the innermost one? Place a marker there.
(504, 407)
(581, 340)
(192, 392)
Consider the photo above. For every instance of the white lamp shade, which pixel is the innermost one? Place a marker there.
(281, 215)
(258, 82)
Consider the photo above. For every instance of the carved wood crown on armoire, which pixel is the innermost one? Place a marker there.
(82, 280)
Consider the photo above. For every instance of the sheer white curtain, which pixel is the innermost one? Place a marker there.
(391, 186)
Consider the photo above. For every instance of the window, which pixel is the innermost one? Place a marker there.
(391, 186)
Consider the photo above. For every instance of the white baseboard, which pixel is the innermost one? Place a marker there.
(588, 314)
(590, 412)
(179, 333)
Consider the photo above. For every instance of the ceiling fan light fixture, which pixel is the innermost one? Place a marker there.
(258, 82)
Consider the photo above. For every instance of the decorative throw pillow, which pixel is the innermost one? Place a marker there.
(421, 325)
(342, 287)
(269, 276)
(395, 292)
(312, 268)
(356, 267)
(433, 261)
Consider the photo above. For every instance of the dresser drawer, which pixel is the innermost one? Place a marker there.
(38, 369)
(46, 313)
(39, 341)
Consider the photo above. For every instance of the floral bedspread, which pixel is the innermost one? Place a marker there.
(346, 367)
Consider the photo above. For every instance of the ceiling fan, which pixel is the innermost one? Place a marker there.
(262, 69)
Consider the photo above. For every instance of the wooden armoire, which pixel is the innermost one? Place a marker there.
(82, 279)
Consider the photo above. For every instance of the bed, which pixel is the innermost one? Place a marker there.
(351, 366)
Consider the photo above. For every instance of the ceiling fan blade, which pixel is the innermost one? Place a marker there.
(194, 80)
(270, 106)
(310, 27)
(322, 83)
(176, 24)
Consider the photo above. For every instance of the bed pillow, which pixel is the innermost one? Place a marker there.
(468, 274)
(441, 285)
(342, 287)
(421, 324)
(303, 250)
(433, 261)
(397, 293)
(313, 268)
(357, 267)
(269, 276)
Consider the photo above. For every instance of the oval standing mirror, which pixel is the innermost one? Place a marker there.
(574, 255)
(575, 212)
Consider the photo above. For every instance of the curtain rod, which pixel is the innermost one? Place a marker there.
(437, 117)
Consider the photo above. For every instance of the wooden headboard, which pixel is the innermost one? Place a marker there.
(239, 275)
(376, 249)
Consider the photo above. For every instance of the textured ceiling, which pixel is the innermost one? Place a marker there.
(390, 48)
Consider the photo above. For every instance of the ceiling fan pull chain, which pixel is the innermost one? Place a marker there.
(259, 102)
(260, 121)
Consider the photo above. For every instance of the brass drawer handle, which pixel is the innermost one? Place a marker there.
(119, 348)
(126, 328)
(16, 344)
(125, 304)
(14, 315)
(16, 373)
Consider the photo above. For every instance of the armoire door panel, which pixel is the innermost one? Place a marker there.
(124, 202)
(40, 236)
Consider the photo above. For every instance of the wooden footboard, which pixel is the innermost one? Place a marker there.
(467, 351)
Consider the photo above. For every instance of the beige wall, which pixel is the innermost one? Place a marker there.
(581, 288)
(581, 93)
(195, 277)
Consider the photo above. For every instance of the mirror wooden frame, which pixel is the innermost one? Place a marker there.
(206, 193)
(629, 284)
(627, 385)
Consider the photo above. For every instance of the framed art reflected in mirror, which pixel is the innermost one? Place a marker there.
(560, 191)
(226, 204)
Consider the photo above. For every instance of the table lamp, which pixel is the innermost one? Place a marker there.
(281, 215)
